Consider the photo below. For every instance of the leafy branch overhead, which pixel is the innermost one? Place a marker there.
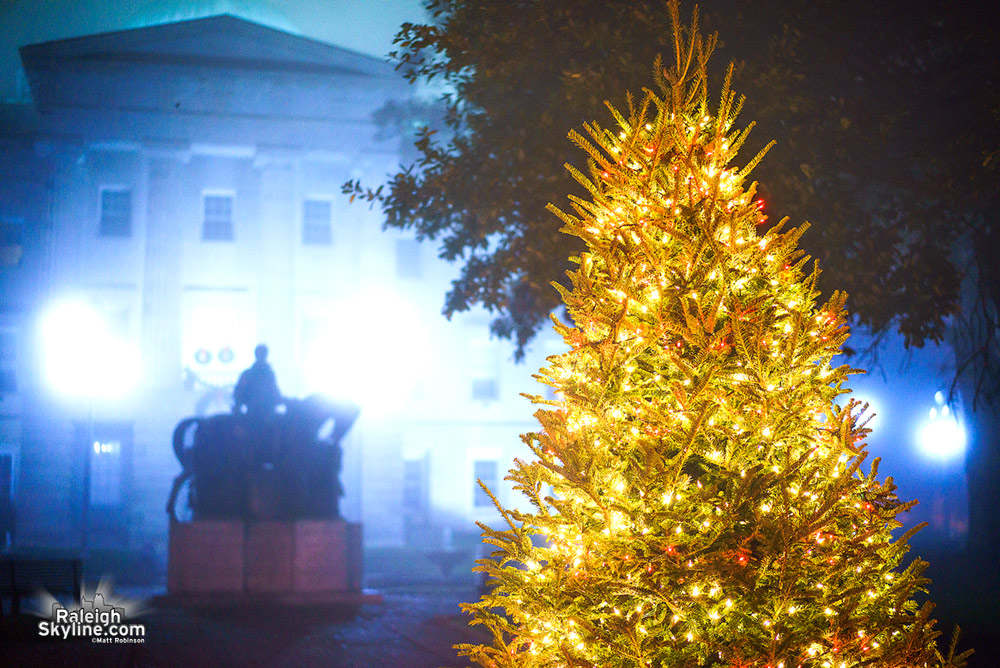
(885, 121)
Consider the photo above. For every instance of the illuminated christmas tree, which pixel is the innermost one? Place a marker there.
(700, 495)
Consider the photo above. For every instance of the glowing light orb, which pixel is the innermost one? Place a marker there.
(373, 351)
(82, 358)
(941, 436)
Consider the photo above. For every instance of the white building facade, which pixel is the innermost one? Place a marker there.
(183, 180)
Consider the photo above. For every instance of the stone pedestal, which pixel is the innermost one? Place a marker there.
(309, 561)
(205, 557)
(270, 557)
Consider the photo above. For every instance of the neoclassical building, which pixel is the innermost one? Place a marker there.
(182, 181)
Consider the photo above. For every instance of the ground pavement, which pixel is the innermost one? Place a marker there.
(414, 627)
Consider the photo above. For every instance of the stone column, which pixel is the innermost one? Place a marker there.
(279, 239)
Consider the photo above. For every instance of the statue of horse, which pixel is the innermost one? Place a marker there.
(281, 466)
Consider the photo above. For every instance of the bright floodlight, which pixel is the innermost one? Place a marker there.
(373, 352)
(81, 357)
(941, 436)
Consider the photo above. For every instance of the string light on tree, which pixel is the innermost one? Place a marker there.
(704, 497)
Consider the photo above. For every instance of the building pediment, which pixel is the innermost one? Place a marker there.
(223, 40)
(215, 80)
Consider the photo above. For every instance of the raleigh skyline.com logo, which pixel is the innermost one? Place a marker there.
(101, 622)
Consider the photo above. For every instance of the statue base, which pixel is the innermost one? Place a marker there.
(311, 562)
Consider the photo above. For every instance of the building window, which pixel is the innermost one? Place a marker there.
(408, 264)
(116, 212)
(8, 362)
(485, 471)
(106, 473)
(6, 480)
(316, 223)
(8, 516)
(11, 240)
(218, 223)
(413, 486)
(485, 389)
(217, 334)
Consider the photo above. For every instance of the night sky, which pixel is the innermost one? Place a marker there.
(367, 26)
